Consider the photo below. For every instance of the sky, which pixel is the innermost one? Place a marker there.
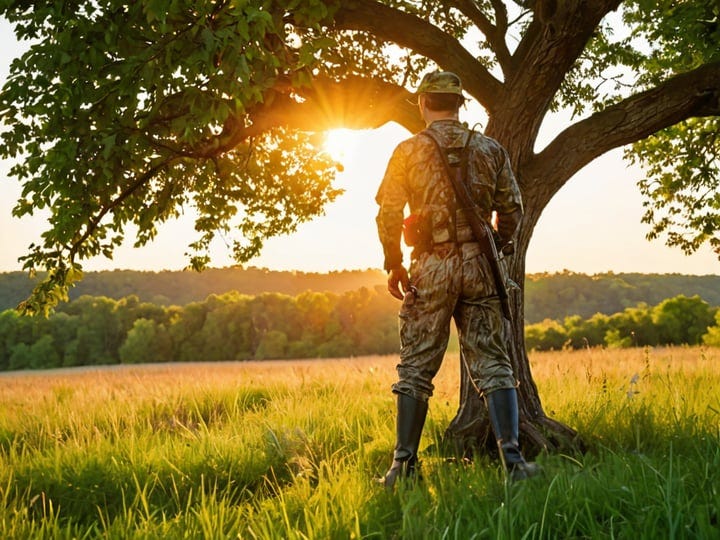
(593, 224)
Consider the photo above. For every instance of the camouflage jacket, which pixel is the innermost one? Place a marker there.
(415, 176)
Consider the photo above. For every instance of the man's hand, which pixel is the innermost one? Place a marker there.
(398, 282)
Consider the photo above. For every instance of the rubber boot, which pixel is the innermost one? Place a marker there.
(503, 411)
(411, 415)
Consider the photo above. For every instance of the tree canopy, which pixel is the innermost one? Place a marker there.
(130, 112)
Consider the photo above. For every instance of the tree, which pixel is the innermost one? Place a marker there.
(98, 334)
(635, 326)
(147, 341)
(712, 337)
(185, 328)
(125, 112)
(682, 320)
(273, 345)
(547, 335)
(586, 333)
(227, 331)
(63, 328)
(10, 335)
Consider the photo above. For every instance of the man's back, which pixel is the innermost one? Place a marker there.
(416, 176)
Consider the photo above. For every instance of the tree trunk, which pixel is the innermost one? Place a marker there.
(470, 432)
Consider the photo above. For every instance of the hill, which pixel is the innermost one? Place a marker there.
(556, 296)
(182, 287)
(548, 296)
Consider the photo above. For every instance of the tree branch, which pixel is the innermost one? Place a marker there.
(355, 102)
(552, 19)
(494, 34)
(692, 94)
(423, 38)
(501, 19)
(94, 222)
(551, 45)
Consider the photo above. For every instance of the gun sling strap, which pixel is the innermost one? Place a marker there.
(480, 228)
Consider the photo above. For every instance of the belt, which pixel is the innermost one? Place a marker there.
(446, 248)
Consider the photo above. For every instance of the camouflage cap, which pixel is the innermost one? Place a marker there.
(440, 82)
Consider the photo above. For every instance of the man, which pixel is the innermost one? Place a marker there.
(449, 275)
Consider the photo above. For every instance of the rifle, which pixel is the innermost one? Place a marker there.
(480, 228)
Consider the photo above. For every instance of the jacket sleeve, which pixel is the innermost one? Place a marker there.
(392, 197)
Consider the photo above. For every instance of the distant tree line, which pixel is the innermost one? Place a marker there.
(177, 288)
(232, 326)
(560, 295)
(96, 330)
(547, 296)
(675, 321)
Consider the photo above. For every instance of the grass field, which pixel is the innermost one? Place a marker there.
(290, 450)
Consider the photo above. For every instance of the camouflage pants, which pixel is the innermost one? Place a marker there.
(452, 282)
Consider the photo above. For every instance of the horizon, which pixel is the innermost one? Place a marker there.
(242, 268)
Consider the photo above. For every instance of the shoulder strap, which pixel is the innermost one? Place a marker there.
(480, 228)
(457, 177)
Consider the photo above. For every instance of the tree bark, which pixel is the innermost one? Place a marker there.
(470, 430)
(422, 37)
(695, 93)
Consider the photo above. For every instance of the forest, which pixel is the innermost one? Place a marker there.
(560, 295)
(547, 295)
(168, 287)
(99, 330)
(679, 320)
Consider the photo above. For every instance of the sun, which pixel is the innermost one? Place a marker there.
(340, 144)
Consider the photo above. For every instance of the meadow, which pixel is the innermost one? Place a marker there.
(292, 449)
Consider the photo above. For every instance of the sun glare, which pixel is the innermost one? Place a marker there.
(340, 144)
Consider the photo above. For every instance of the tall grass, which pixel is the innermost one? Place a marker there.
(291, 450)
